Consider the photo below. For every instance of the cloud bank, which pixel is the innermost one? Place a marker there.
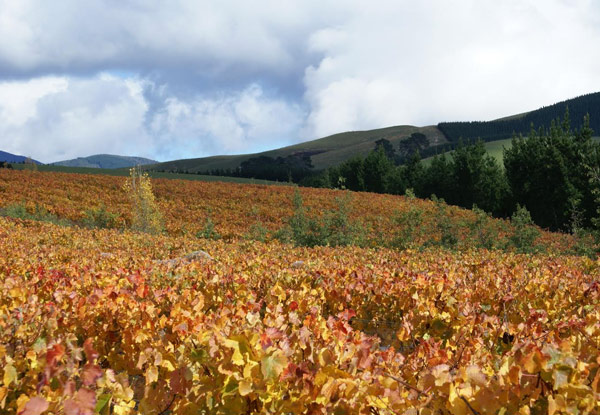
(189, 79)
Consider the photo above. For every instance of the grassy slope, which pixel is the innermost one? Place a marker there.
(495, 148)
(333, 149)
(158, 175)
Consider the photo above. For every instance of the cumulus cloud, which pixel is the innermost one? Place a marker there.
(57, 118)
(438, 61)
(69, 117)
(237, 122)
(191, 78)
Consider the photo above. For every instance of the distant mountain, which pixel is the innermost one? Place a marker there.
(105, 161)
(13, 158)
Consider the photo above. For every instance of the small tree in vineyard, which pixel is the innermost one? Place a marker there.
(145, 214)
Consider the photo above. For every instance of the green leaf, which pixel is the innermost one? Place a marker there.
(102, 405)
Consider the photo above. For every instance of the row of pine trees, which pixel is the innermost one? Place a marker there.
(554, 173)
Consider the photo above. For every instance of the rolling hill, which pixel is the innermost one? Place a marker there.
(334, 149)
(325, 152)
(105, 161)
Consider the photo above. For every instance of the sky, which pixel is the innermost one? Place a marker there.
(191, 78)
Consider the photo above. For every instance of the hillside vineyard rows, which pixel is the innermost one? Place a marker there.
(110, 321)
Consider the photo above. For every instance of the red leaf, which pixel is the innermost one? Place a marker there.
(88, 348)
(54, 354)
(180, 380)
(84, 403)
(90, 374)
(293, 305)
(35, 406)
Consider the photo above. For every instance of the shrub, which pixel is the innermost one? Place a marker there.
(145, 214)
(482, 233)
(339, 230)
(209, 232)
(100, 218)
(409, 225)
(524, 231)
(333, 229)
(257, 232)
(447, 229)
(40, 213)
(17, 210)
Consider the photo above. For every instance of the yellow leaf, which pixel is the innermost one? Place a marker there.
(124, 408)
(237, 358)
(10, 374)
(200, 303)
(455, 404)
(524, 410)
(3, 393)
(325, 357)
(551, 405)
(167, 365)
(441, 374)
(151, 375)
(251, 369)
(21, 402)
(475, 376)
(245, 387)
(272, 366)
(278, 292)
(531, 362)
(253, 318)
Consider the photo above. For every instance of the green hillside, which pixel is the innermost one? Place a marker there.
(105, 161)
(332, 150)
(521, 123)
(495, 149)
(325, 152)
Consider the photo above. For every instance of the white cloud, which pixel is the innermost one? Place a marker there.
(422, 63)
(238, 122)
(193, 78)
(203, 36)
(69, 117)
(52, 119)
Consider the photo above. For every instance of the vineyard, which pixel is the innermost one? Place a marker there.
(109, 321)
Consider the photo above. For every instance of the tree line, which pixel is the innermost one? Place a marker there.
(505, 128)
(554, 172)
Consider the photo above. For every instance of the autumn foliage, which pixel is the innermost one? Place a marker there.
(145, 215)
(118, 322)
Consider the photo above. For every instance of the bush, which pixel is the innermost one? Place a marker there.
(100, 218)
(145, 214)
(208, 232)
(334, 229)
(524, 231)
(17, 210)
(482, 233)
(409, 224)
(257, 232)
(447, 229)
(40, 213)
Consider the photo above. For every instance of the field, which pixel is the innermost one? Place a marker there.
(159, 175)
(112, 321)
